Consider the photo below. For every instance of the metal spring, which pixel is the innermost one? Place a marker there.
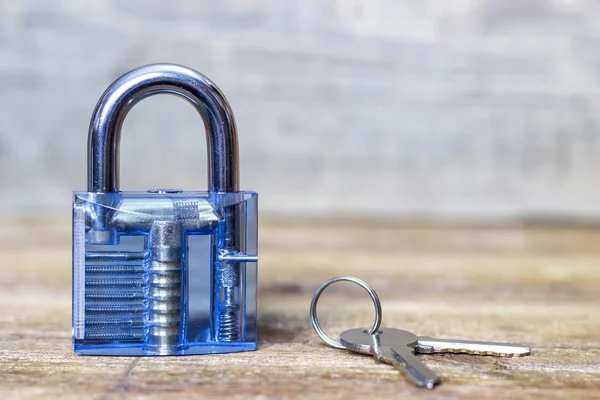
(229, 323)
(114, 256)
(114, 269)
(229, 327)
(118, 320)
(114, 335)
(114, 308)
(114, 296)
(128, 282)
(114, 321)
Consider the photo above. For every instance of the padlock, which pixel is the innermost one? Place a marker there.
(164, 272)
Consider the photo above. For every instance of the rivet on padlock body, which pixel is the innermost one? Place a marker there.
(164, 272)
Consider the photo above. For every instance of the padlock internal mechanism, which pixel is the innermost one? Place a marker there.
(164, 272)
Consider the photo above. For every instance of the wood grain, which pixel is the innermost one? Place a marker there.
(535, 285)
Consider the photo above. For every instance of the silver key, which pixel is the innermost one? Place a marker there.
(398, 347)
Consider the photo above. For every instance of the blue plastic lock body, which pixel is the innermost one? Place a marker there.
(164, 272)
(157, 277)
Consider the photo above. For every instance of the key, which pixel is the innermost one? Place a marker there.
(393, 346)
(398, 347)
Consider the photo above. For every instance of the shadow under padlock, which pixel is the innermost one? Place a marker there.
(164, 272)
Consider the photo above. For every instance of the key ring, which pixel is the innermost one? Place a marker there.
(313, 308)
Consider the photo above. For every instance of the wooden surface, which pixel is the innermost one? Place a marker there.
(537, 286)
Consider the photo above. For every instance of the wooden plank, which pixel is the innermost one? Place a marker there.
(535, 285)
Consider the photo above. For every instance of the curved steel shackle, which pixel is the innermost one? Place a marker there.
(112, 108)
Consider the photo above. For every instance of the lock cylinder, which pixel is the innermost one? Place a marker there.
(164, 287)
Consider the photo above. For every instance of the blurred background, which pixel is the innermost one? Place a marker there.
(469, 110)
(470, 127)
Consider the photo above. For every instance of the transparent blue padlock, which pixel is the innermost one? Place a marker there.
(164, 272)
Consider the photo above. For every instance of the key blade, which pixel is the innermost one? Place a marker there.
(409, 365)
(392, 346)
(429, 345)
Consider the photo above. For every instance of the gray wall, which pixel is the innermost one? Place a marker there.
(421, 109)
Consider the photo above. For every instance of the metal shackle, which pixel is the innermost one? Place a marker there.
(112, 108)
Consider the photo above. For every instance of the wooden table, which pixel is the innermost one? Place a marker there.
(536, 285)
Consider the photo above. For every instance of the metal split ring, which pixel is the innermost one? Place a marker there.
(313, 308)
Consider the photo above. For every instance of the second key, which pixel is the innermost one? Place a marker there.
(397, 347)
